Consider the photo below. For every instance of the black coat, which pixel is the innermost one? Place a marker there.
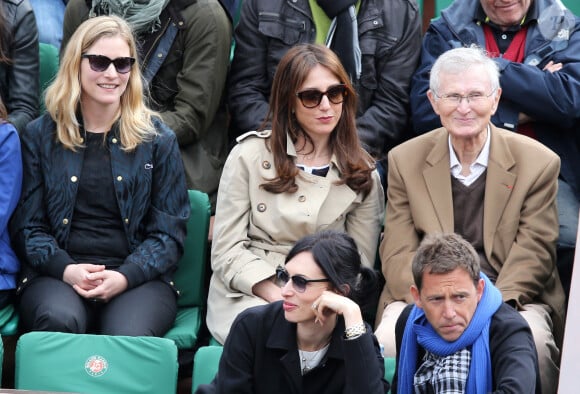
(261, 356)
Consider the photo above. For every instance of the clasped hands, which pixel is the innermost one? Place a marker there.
(94, 281)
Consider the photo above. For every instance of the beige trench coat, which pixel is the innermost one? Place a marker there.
(255, 229)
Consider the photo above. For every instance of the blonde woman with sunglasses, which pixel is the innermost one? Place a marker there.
(306, 174)
(101, 221)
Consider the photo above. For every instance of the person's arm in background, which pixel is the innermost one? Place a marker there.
(249, 85)
(10, 172)
(76, 12)
(384, 123)
(543, 93)
(423, 117)
(202, 78)
(364, 223)
(22, 95)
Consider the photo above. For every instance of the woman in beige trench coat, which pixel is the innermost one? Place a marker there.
(307, 174)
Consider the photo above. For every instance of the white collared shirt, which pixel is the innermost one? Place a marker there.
(475, 169)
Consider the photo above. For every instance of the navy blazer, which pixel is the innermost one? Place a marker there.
(151, 194)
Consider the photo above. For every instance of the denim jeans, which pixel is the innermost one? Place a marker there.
(49, 19)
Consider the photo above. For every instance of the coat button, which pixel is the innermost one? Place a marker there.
(24, 280)
(73, 179)
(261, 207)
(266, 165)
(82, 140)
(65, 221)
(119, 178)
(160, 55)
(126, 220)
(302, 198)
(114, 141)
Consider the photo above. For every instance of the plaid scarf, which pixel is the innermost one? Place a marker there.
(419, 332)
(443, 374)
(142, 15)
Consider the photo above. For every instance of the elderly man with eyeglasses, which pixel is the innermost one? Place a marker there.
(495, 188)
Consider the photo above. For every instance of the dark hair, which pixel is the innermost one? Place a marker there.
(443, 253)
(337, 255)
(354, 163)
(5, 37)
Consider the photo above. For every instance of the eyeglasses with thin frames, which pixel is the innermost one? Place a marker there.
(311, 98)
(454, 99)
(100, 63)
(299, 283)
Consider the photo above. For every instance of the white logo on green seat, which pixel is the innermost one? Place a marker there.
(96, 366)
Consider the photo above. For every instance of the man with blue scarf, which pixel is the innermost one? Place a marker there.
(460, 337)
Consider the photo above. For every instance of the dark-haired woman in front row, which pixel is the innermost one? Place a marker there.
(315, 339)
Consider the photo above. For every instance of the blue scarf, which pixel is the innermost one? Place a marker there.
(418, 331)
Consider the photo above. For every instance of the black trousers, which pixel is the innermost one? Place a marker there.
(49, 304)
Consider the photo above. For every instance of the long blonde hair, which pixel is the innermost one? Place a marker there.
(63, 95)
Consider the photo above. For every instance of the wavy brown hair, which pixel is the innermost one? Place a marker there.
(354, 163)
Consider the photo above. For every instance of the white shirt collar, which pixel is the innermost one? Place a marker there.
(476, 168)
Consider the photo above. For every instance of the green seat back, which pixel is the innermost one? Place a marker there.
(48, 60)
(390, 363)
(8, 321)
(205, 365)
(440, 5)
(85, 363)
(207, 358)
(573, 5)
(189, 278)
(1, 360)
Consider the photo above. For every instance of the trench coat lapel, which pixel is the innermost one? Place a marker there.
(437, 177)
(499, 184)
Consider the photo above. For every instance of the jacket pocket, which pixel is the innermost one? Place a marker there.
(282, 33)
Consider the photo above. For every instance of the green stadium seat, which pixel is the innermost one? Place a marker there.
(573, 5)
(205, 365)
(207, 358)
(95, 364)
(8, 321)
(189, 278)
(48, 60)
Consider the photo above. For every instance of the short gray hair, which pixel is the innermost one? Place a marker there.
(443, 253)
(458, 60)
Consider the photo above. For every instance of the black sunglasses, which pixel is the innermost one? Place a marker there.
(298, 282)
(100, 63)
(311, 98)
